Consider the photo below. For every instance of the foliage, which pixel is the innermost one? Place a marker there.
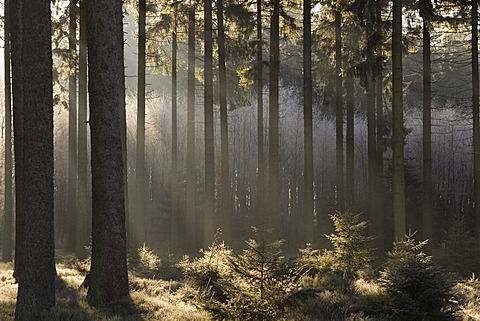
(147, 264)
(351, 251)
(415, 288)
(460, 250)
(258, 284)
(468, 295)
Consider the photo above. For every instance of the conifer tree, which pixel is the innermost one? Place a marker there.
(35, 242)
(108, 278)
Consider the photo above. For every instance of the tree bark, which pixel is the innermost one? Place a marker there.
(309, 221)
(339, 180)
(209, 205)
(350, 147)
(225, 197)
(8, 202)
(108, 279)
(427, 134)
(273, 122)
(72, 128)
(140, 235)
(82, 223)
(260, 128)
(398, 130)
(476, 125)
(174, 191)
(36, 285)
(18, 129)
(191, 175)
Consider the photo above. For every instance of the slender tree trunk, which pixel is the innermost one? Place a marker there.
(273, 122)
(191, 176)
(209, 205)
(36, 286)
(371, 121)
(476, 126)
(222, 77)
(379, 192)
(18, 128)
(174, 198)
(260, 131)
(371, 150)
(8, 202)
(72, 128)
(140, 235)
(340, 201)
(108, 279)
(398, 135)
(427, 134)
(380, 124)
(309, 220)
(83, 212)
(350, 152)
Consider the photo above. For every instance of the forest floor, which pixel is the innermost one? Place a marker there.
(162, 294)
(151, 299)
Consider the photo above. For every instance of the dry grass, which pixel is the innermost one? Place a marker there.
(151, 299)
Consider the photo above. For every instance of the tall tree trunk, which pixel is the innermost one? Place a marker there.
(309, 221)
(82, 231)
(399, 224)
(371, 151)
(379, 192)
(225, 192)
(371, 120)
(340, 201)
(260, 131)
(8, 202)
(380, 124)
(191, 176)
(18, 129)
(427, 134)
(108, 279)
(140, 235)
(273, 122)
(350, 151)
(174, 191)
(36, 286)
(476, 125)
(72, 127)
(209, 206)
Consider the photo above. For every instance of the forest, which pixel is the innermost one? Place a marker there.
(239, 160)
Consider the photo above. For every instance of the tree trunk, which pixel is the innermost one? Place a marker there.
(191, 176)
(260, 131)
(308, 127)
(140, 235)
(174, 191)
(273, 122)
(427, 134)
(83, 212)
(371, 151)
(8, 202)
(380, 124)
(108, 279)
(209, 205)
(225, 198)
(18, 129)
(397, 135)
(350, 152)
(379, 192)
(340, 201)
(36, 286)
(476, 125)
(72, 128)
